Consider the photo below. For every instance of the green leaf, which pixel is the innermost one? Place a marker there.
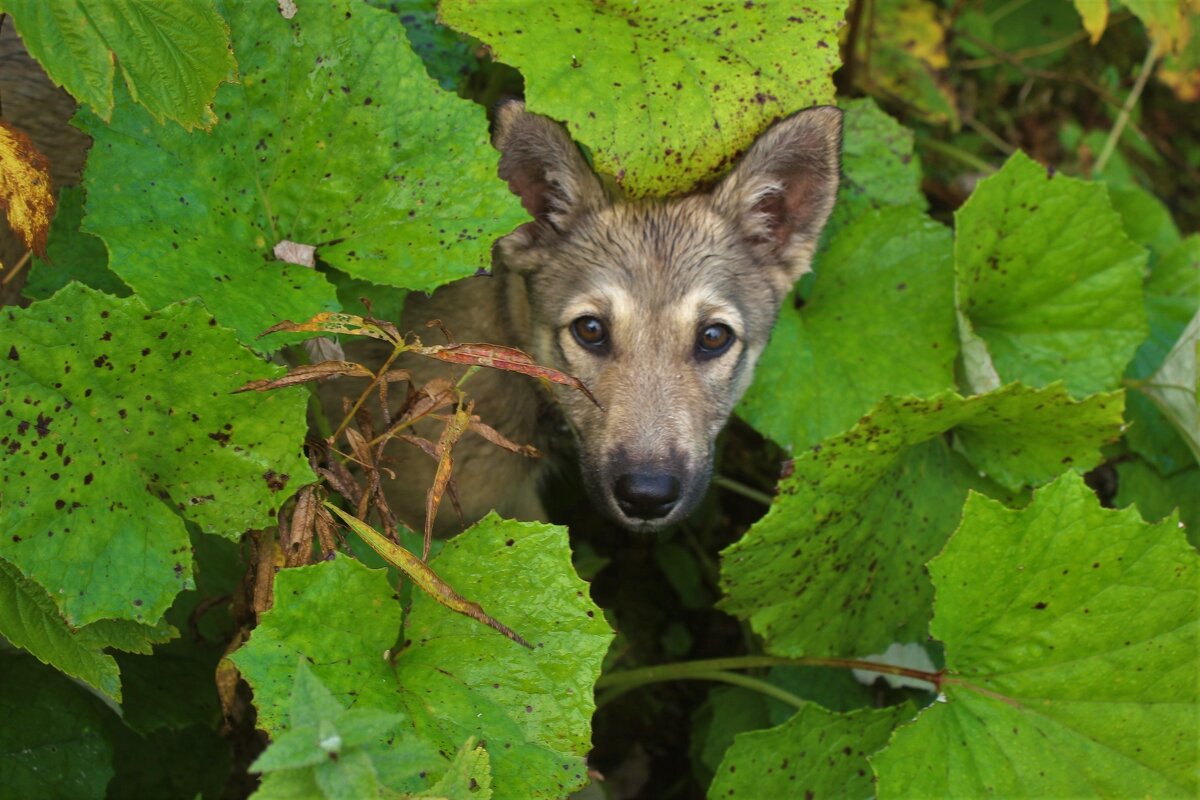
(350, 641)
(449, 57)
(336, 138)
(191, 762)
(1146, 219)
(835, 567)
(1157, 497)
(816, 753)
(171, 55)
(52, 743)
(879, 167)
(114, 422)
(1173, 388)
(697, 86)
(1047, 278)
(30, 620)
(533, 709)
(71, 255)
(1172, 298)
(340, 751)
(726, 712)
(1072, 636)
(879, 321)
(469, 775)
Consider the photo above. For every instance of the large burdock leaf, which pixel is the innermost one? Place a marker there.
(335, 137)
(1049, 281)
(171, 55)
(1072, 636)
(816, 753)
(664, 93)
(835, 568)
(880, 320)
(53, 742)
(113, 423)
(453, 677)
(30, 620)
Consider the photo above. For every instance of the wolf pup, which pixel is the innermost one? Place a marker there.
(661, 307)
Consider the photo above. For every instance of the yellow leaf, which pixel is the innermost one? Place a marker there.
(26, 195)
(1095, 17)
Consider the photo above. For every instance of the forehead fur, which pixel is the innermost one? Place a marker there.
(655, 252)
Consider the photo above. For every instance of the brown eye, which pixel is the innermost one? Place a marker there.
(590, 332)
(714, 340)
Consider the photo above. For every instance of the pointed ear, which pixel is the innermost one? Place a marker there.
(781, 192)
(544, 167)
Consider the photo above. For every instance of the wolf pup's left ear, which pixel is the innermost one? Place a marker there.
(544, 168)
(781, 193)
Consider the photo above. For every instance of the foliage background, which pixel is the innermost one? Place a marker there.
(974, 432)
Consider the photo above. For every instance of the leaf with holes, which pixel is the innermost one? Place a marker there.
(1072, 635)
(335, 137)
(835, 568)
(665, 94)
(115, 422)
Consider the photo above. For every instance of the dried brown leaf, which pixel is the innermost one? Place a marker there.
(495, 437)
(495, 356)
(297, 542)
(455, 428)
(307, 373)
(326, 533)
(26, 194)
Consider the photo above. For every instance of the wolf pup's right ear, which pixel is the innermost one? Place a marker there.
(545, 169)
(781, 193)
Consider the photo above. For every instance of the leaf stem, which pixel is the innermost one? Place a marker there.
(743, 490)
(1110, 144)
(718, 669)
(957, 153)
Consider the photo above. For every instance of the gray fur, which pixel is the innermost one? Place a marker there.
(656, 273)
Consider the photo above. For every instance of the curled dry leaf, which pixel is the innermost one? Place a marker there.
(509, 359)
(307, 373)
(424, 577)
(456, 426)
(297, 540)
(476, 425)
(26, 195)
(326, 533)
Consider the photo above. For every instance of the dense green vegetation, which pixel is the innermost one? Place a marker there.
(975, 431)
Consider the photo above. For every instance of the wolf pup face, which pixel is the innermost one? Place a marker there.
(662, 307)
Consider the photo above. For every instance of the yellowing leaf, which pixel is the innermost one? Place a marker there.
(901, 58)
(1095, 17)
(25, 192)
(1169, 22)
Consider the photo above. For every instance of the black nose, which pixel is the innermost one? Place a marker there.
(646, 495)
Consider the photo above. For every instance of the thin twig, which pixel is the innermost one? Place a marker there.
(16, 270)
(1110, 144)
(743, 490)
